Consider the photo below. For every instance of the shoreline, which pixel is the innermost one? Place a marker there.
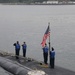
(37, 4)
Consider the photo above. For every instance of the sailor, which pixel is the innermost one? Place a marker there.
(45, 54)
(24, 47)
(52, 58)
(17, 49)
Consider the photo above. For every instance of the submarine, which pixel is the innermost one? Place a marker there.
(29, 66)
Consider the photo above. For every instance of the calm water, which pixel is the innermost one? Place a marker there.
(29, 23)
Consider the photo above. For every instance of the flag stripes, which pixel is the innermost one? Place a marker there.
(46, 35)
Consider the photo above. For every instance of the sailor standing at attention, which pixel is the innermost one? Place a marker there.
(52, 58)
(24, 47)
(45, 53)
(17, 49)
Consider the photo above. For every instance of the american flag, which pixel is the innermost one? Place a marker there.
(46, 35)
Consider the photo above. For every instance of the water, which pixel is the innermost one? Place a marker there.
(29, 23)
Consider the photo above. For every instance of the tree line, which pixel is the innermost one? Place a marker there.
(21, 1)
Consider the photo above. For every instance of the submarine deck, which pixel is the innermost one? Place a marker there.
(35, 65)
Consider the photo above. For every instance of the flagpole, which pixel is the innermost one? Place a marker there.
(49, 45)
